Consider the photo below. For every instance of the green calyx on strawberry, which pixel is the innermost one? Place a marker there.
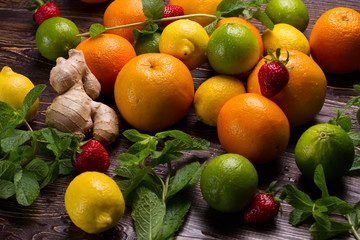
(92, 157)
(273, 75)
(264, 207)
(44, 10)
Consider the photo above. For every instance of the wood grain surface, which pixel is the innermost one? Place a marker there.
(47, 217)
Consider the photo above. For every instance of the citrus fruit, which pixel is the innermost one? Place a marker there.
(147, 44)
(212, 94)
(153, 91)
(186, 40)
(55, 37)
(105, 55)
(286, 37)
(328, 145)
(122, 13)
(293, 12)
(253, 126)
(335, 40)
(229, 182)
(198, 6)
(247, 24)
(94, 202)
(13, 89)
(233, 49)
(304, 95)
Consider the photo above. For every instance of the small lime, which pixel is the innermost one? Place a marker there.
(147, 44)
(328, 145)
(56, 36)
(229, 182)
(233, 49)
(293, 12)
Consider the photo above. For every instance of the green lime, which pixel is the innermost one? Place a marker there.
(56, 36)
(328, 145)
(293, 12)
(147, 44)
(233, 49)
(229, 182)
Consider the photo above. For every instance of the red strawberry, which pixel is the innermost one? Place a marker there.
(273, 75)
(172, 11)
(44, 10)
(93, 157)
(264, 207)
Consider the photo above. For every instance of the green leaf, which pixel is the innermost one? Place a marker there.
(14, 139)
(355, 137)
(356, 164)
(177, 134)
(166, 157)
(7, 112)
(96, 29)
(153, 9)
(176, 210)
(319, 180)
(298, 216)
(7, 189)
(355, 215)
(182, 178)
(210, 28)
(21, 154)
(345, 123)
(231, 8)
(31, 97)
(134, 135)
(358, 116)
(356, 87)
(196, 177)
(125, 171)
(297, 198)
(149, 29)
(136, 180)
(148, 212)
(26, 187)
(38, 167)
(52, 175)
(355, 101)
(7, 170)
(318, 231)
(321, 218)
(334, 204)
(264, 19)
(66, 167)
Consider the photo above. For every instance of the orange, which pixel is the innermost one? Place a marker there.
(93, 1)
(247, 24)
(198, 6)
(122, 13)
(335, 40)
(105, 55)
(154, 91)
(304, 95)
(253, 126)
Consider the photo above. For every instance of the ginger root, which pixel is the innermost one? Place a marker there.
(75, 110)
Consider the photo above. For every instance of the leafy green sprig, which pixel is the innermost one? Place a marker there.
(324, 212)
(22, 173)
(154, 12)
(157, 210)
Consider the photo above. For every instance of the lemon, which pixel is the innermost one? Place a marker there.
(212, 94)
(285, 36)
(13, 89)
(94, 202)
(229, 182)
(293, 12)
(186, 40)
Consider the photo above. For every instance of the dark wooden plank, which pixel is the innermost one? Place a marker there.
(47, 217)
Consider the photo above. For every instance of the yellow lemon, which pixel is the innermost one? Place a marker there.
(94, 202)
(285, 36)
(186, 40)
(212, 94)
(13, 89)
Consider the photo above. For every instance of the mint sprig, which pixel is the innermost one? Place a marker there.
(157, 210)
(22, 173)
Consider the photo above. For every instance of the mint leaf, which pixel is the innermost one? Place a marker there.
(134, 135)
(31, 97)
(7, 170)
(356, 164)
(148, 214)
(196, 177)
(345, 123)
(355, 215)
(264, 19)
(210, 28)
(21, 154)
(355, 137)
(52, 175)
(26, 187)
(149, 29)
(297, 198)
(136, 180)
(7, 189)
(127, 172)
(298, 216)
(7, 112)
(177, 134)
(319, 180)
(38, 167)
(356, 87)
(231, 8)
(14, 139)
(96, 29)
(153, 9)
(319, 232)
(182, 178)
(334, 204)
(66, 167)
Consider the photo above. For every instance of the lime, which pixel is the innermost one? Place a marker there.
(328, 145)
(56, 36)
(293, 12)
(229, 182)
(233, 49)
(147, 44)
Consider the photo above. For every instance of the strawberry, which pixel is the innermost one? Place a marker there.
(264, 207)
(273, 75)
(93, 157)
(171, 11)
(44, 10)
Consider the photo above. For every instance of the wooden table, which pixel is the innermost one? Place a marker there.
(47, 217)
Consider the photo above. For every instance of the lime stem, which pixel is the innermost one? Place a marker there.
(353, 230)
(153, 21)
